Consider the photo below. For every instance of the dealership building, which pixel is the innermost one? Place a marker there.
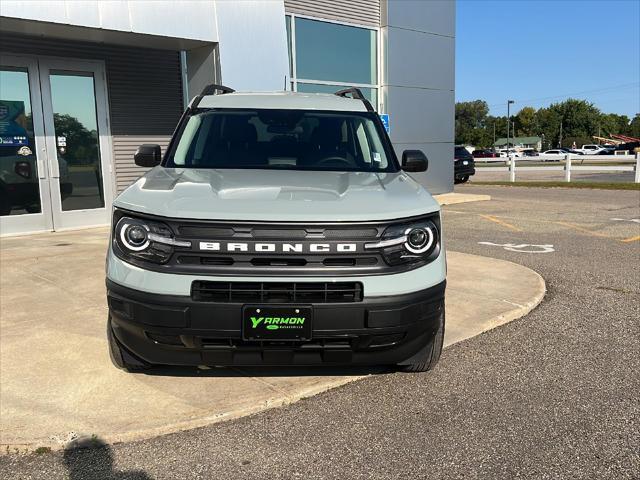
(82, 84)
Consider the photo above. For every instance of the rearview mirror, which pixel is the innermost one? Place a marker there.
(414, 161)
(148, 155)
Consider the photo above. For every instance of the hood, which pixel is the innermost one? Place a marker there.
(276, 195)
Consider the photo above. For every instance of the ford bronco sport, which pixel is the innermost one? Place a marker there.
(278, 229)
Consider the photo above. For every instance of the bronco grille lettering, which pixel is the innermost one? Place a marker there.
(278, 247)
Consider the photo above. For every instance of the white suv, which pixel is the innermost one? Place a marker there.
(278, 229)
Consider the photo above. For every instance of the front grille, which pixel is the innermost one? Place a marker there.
(277, 262)
(276, 292)
(285, 232)
(299, 259)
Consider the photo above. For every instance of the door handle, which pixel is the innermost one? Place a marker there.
(42, 174)
(54, 169)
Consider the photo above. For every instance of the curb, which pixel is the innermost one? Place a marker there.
(509, 316)
(454, 198)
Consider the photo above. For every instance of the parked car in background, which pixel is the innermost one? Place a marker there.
(554, 155)
(592, 149)
(464, 165)
(485, 153)
(630, 147)
(570, 150)
(504, 153)
(529, 152)
(19, 180)
(607, 150)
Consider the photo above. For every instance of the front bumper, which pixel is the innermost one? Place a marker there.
(176, 330)
(464, 170)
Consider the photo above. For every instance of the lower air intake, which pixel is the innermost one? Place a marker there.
(276, 292)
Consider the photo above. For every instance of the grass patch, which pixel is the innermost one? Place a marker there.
(592, 185)
(42, 450)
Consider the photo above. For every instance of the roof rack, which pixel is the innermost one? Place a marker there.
(211, 90)
(356, 93)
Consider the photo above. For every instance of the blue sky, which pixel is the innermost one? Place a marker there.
(530, 50)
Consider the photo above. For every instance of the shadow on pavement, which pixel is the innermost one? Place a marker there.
(93, 460)
(286, 371)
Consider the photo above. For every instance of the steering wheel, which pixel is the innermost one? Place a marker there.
(335, 160)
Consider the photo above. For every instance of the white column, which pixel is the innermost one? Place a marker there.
(512, 168)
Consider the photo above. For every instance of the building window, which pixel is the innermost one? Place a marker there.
(325, 57)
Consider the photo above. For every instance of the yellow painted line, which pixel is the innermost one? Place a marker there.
(632, 239)
(582, 229)
(457, 211)
(501, 222)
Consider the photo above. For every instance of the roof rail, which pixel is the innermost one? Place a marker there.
(356, 93)
(211, 90)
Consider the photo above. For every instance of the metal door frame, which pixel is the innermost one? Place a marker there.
(43, 221)
(63, 220)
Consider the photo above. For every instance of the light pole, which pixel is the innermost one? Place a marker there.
(560, 139)
(509, 102)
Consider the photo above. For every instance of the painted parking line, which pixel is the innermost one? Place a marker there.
(498, 220)
(634, 220)
(491, 218)
(583, 230)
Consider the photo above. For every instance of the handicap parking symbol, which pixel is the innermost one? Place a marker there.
(385, 121)
(522, 247)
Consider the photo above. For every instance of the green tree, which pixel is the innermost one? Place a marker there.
(580, 119)
(548, 122)
(576, 120)
(471, 123)
(634, 127)
(497, 125)
(81, 144)
(526, 122)
(611, 123)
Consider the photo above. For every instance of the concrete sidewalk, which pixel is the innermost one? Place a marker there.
(453, 198)
(58, 385)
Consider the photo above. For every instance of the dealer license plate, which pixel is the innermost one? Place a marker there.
(276, 322)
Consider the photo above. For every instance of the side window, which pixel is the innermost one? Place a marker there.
(377, 150)
(190, 130)
(363, 143)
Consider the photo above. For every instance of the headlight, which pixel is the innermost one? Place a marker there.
(136, 238)
(419, 239)
(409, 243)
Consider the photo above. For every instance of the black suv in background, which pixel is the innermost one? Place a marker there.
(464, 165)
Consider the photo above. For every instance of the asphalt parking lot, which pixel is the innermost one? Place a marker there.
(552, 395)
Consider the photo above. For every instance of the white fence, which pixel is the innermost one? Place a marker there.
(569, 163)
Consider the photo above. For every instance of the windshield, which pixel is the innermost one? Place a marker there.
(283, 139)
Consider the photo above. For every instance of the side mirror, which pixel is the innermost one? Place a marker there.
(414, 161)
(148, 155)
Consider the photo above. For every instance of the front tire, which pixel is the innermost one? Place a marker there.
(120, 356)
(427, 358)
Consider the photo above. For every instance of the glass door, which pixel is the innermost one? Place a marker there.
(77, 142)
(24, 184)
